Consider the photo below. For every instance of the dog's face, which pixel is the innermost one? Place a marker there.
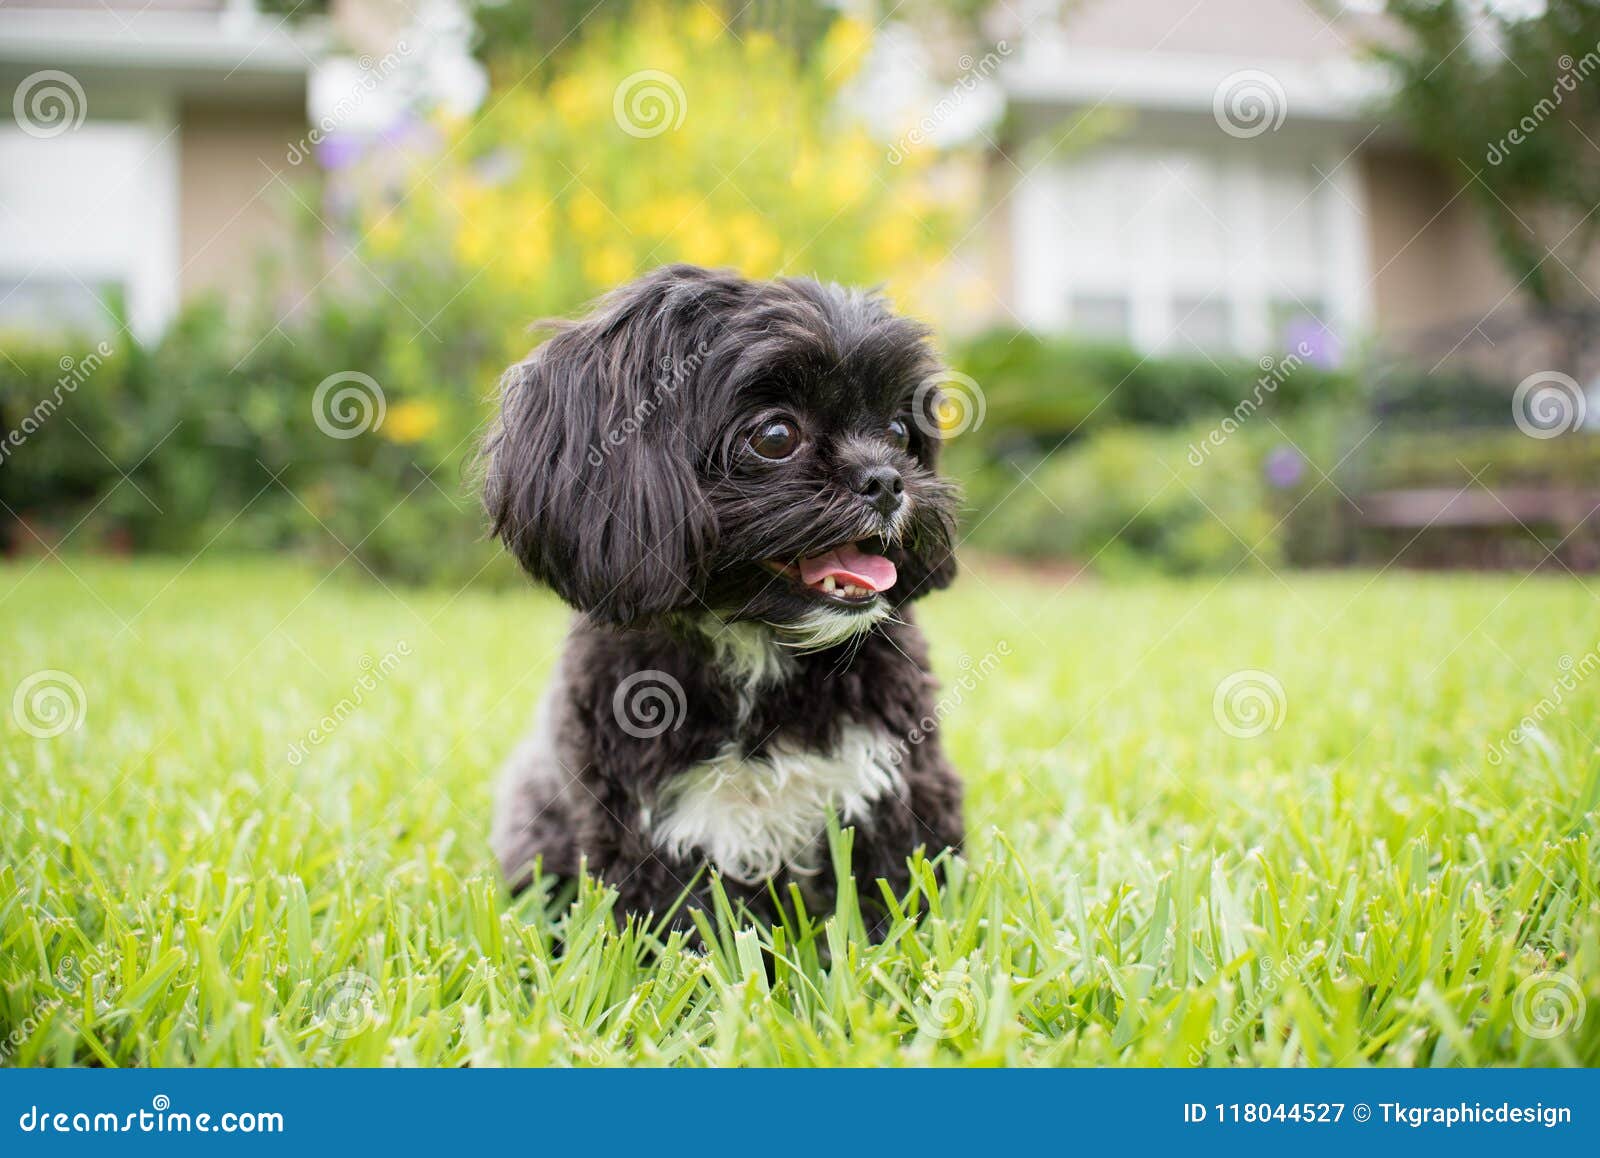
(703, 443)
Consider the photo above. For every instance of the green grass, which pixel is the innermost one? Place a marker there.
(1360, 885)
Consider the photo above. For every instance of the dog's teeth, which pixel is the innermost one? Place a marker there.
(829, 585)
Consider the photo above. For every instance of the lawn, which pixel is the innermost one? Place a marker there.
(189, 875)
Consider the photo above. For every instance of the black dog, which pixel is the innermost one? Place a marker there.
(734, 482)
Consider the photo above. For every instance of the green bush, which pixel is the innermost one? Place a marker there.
(1041, 390)
(1138, 499)
(550, 196)
(202, 442)
(1398, 460)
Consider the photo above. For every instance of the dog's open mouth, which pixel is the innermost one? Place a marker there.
(850, 575)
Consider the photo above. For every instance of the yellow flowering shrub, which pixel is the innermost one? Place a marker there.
(661, 138)
(665, 138)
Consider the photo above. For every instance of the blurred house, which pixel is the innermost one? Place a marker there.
(1210, 175)
(157, 148)
(1214, 175)
(132, 166)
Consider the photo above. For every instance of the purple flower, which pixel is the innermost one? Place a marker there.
(1314, 342)
(339, 151)
(1285, 467)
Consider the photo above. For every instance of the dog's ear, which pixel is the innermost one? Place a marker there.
(926, 558)
(589, 477)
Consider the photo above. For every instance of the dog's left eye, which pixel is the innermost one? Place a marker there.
(776, 439)
(899, 433)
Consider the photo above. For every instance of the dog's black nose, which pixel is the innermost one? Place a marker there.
(881, 486)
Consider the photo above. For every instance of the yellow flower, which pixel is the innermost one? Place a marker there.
(755, 247)
(571, 98)
(383, 234)
(589, 214)
(844, 49)
(608, 265)
(892, 242)
(705, 26)
(409, 422)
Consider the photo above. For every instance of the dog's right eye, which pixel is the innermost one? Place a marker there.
(776, 439)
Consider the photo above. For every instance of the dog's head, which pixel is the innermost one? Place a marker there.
(704, 443)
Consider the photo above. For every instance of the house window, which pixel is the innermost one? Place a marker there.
(44, 303)
(1217, 249)
(1108, 316)
(1202, 323)
(90, 225)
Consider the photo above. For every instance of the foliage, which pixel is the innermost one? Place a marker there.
(1448, 458)
(1408, 397)
(1363, 884)
(664, 139)
(1040, 390)
(531, 210)
(1089, 451)
(513, 33)
(1133, 499)
(1507, 99)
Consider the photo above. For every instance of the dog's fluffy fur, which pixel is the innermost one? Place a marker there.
(709, 711)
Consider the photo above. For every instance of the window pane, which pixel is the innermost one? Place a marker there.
(55, 304)
(1101, 316)
(1203, 323)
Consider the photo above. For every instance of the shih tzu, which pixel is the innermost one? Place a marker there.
(734, 483)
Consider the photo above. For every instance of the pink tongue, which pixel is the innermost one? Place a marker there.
(849, 564)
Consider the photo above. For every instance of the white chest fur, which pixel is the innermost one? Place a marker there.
(751, 817)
